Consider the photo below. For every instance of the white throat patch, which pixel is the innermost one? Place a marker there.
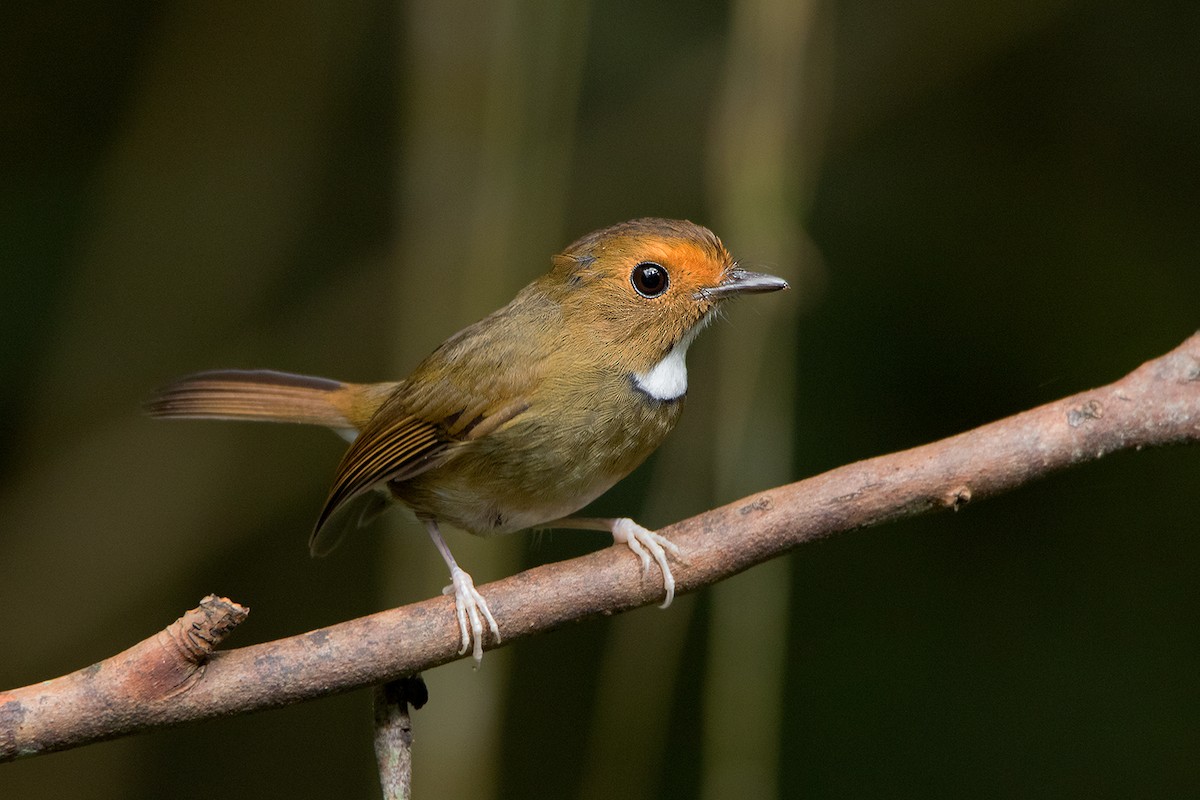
(667, 380)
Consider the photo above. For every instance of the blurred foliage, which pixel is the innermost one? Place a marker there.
(982, 208)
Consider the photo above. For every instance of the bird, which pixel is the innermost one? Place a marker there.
(521, 419)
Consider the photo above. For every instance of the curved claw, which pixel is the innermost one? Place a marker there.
(470, 605)
(645, 544)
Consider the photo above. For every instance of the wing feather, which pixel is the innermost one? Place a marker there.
(477, 381)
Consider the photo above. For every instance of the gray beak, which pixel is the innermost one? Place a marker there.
(740, 281)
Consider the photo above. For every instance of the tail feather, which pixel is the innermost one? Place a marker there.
(264, 395)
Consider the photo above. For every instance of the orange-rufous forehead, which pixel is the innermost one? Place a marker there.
(699, 261)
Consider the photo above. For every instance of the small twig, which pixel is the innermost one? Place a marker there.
(393, 733)
(1157, 404)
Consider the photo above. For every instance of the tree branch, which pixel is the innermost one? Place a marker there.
(174, 677)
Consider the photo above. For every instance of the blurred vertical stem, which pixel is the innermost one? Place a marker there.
(489, 96)
(758, 181)
(394, 704)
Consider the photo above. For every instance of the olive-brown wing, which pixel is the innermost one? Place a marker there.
(475, 382)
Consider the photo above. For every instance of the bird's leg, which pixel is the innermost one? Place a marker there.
(645, 543)
(469, 603)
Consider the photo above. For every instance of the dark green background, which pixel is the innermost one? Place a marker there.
(1002, 207)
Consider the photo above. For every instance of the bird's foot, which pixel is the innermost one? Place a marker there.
(645, 544)
(472, 610)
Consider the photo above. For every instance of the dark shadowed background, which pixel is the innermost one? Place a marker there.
(981, 207)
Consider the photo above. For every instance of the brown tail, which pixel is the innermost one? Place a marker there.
(268, 396)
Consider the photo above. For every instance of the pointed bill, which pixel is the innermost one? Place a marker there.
(741, 281)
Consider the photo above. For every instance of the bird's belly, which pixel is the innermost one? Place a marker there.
(489, 513)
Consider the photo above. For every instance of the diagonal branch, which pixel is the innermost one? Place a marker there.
(174, 678)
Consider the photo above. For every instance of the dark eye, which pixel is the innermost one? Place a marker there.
(649, 279)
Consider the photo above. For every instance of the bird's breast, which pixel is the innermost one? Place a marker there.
(571, 445)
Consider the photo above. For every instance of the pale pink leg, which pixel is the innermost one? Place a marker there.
(468, 602)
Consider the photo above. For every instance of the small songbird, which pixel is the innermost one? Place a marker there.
(522, 418)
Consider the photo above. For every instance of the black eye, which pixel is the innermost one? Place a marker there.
(649, 279)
